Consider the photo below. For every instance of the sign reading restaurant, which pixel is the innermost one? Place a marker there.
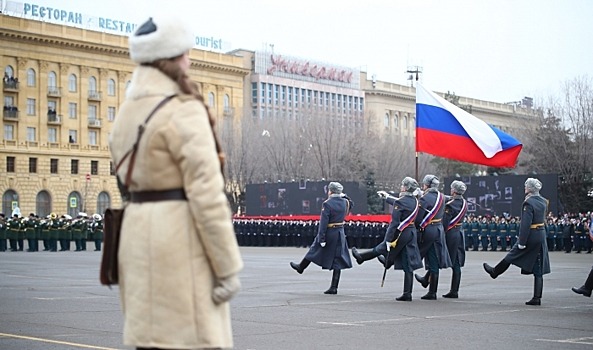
(76, 19)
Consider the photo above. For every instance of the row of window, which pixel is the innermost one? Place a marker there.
(52, 86)
(54, 166)
(52, 81)
(43, 203)
(281, 95)
(92, 110)
(52, 135)
(389, 121)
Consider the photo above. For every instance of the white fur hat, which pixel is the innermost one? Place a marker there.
(159, 38)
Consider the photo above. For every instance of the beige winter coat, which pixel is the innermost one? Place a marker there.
(172, 252)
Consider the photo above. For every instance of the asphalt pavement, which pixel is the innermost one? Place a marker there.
(54, 301)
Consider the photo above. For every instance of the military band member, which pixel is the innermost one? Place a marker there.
(531, 251)
(330, 249)
(400, 245)
(54, 233)
(455, 210)
(30, 224)
(431, 235)
(97, 229)
(44, 227)
(2, 233)
(13, 226)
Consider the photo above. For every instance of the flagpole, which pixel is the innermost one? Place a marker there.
(416, 70)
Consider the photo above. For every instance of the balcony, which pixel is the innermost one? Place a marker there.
(53, 119)
(11, 114)
(228, 111)
(11, 85)
(54, 91)
(94, 95)
(94, 123)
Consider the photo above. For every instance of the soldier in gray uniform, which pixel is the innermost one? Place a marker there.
(455, 210)
(400, 245)
(586, 288)
(329, 248)
(531, 251)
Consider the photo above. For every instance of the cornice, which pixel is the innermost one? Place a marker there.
(383, 93)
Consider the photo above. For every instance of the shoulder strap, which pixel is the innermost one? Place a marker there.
(132, 151)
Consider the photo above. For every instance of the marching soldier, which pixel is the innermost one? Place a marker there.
(330, 249)
(431, 237)
(400, 245)
(586, 288)
(531, 251)
(455, 210)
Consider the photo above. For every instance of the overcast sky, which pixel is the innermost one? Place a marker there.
(495, 50)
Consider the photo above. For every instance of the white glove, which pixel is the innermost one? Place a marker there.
(388, 246)
(520, 246)
(322, 244)
(382, 194)
(225, 289)
(417, 192)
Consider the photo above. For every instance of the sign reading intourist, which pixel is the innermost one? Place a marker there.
(76, 19)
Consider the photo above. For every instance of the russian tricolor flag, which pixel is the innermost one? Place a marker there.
(447, 131)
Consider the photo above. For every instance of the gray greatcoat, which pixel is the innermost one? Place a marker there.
(172, 252)
(534, 239)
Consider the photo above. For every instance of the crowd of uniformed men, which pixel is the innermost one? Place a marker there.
(51, 233)
(484, 233)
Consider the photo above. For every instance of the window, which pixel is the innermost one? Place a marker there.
(270, 91)
(43, 204)
(226, 102)
(10, 164)
(30, 106)
(31, 77)
(74, 166)
(31, 134)
(111, 87)
(211, 100)
(111, 113)
(8, 132)
(386, 121)
(92, 86)
(72, 84)
(51, 106)
(254, 93)
(92, 137)
(94, 167)
(72, 136)
(111, 169)
(32, 165)
(9, 71)
(396, 121)
(92, 112)
(405, 121)
(103, 202)
(53, 166)
(72, 107)
(8, 101)
(52, 85)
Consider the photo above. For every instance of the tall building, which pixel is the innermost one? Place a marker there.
(61, 90)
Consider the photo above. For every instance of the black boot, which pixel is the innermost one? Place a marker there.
(538, 286)
(497, 270)
(455, 280)
(384, 262)
(300, 267)
(364, 255)
(333, 289)
(587, 287)
(423, 280)
(432, 289)
(408, 282)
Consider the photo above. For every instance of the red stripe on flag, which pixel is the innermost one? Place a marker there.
(462, 148)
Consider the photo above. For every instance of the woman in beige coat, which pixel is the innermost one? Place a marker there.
(178, 256)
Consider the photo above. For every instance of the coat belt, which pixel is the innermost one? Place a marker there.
(536, 226)
(335, 224)
(157, 196)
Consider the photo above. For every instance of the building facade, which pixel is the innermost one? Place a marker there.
(61, 91)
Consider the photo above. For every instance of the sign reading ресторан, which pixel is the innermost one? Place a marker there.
(102, 24)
